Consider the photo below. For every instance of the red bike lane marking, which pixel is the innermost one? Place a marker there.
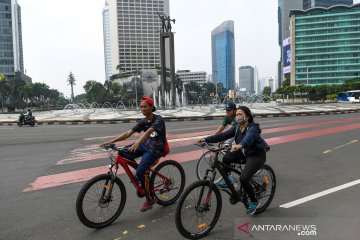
(309, 125)
(85, 174)
(183, 143)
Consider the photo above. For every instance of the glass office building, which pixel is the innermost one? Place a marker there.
(325, 3)
(223, 55)
(325, 45)
(11, 51)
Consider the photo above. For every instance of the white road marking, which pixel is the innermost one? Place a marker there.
(320, 194)
(341, 146)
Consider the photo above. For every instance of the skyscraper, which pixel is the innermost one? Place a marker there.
(131, 34)
(284, 23)
(325, 43)
(247, 79)
(325, 3)
(223, 55)
(107, 40)
(11, 50)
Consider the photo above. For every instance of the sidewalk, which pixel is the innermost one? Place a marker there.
(100, 116)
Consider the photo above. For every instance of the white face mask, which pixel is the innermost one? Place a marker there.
(240, 119)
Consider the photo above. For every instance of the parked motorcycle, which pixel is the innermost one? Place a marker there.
(26, 120)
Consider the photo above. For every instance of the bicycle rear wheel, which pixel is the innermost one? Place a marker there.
(167, 182)
(265, 187)
(204, 163)
(94, 207)
(198, 209)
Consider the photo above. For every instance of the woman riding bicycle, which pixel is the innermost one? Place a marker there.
(150, 145)
(249, 146)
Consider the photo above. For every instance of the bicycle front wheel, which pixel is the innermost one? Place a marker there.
(265, 187)
(167, 182)
(204, 163)
(198, 209)
(96, 207)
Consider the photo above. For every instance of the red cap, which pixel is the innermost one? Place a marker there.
(149, 101)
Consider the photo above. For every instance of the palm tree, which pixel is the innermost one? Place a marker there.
(71, 80)
(4, 90)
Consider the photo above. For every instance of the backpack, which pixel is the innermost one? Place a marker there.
(166, 148)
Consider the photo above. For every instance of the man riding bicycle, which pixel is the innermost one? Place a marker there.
(229, 118)
(249, 146)
(150, 145)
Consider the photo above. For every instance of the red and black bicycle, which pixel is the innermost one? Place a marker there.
(102, 199)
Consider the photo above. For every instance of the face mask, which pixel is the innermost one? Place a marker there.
(240, 119)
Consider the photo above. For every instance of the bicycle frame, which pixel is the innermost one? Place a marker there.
(125, 163)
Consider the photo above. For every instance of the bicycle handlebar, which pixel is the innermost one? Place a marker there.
(114, 147)
(210, 147)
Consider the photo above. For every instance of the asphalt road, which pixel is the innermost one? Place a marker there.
(42, 170)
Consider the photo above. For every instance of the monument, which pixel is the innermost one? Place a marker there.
(165, 33)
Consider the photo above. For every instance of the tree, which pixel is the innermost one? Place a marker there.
(4, 91)
(300, 88)
(27, 93)
(15, 98)
(281, 91)
(193, 91)
(266, 91)
(71, 80)
(95, 91)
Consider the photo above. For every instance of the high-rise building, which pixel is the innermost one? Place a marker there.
(188, 76)
(284, 7)
(247, 80)
(325, 3)
(271, 84)
(223, 55)
(11, 50)
(131, 34)
(325, 43)
(107, 41)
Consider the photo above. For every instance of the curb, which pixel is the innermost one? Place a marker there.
(181, 119)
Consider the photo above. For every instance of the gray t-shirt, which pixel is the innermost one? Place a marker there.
(156, 141)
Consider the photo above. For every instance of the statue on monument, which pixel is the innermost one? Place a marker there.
(166, 22)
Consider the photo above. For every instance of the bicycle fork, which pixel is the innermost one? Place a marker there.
(109, 185)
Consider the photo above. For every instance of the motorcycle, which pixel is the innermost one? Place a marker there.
(26, 120)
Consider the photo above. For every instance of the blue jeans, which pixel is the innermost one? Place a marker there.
(148, 159)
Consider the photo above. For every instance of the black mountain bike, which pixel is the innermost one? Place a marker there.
(199, 207)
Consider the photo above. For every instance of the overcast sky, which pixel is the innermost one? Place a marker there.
(60, 36)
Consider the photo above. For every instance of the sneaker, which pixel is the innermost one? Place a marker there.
(222, 184)
(148, 204)
(251, 209)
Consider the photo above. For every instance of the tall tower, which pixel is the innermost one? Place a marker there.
(107, 40)
(223, 55)
(131, 34)
(11, 51)
(247, 79)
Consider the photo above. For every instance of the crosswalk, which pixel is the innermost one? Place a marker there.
(179, 140)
